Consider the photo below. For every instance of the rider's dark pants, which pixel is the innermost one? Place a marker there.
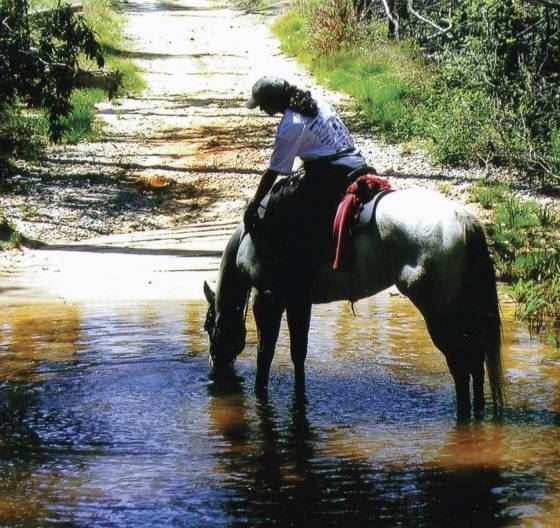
(307, 226)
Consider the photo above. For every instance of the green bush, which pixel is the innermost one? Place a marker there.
(36, 101)
(382, 92)
(39, 57)
(485, 92)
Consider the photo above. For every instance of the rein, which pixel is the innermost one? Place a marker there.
(246, 306)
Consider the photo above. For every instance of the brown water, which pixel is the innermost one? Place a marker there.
(107, 418)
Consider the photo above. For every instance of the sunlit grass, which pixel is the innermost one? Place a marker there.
(369, 74)
(81, 124)
(108, 25)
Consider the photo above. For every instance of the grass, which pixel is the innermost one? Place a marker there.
(10, 237)
(434, 103)
(526, 253)
(80, 125)
(489, 195)
(108, 25)
(383, 92)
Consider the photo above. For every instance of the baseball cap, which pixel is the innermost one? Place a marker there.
(267, 89)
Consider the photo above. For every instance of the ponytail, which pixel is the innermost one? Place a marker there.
(301, 101)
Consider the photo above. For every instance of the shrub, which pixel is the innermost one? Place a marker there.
(39, 58)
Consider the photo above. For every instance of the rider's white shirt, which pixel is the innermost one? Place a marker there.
(308, 138)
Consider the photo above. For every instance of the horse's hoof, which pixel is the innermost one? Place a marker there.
(463, 417)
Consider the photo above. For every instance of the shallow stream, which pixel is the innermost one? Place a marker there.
(108, 418)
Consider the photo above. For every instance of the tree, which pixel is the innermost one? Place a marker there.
(39, 58)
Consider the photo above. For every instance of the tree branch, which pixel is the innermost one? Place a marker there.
(75, 8)
(391, 18)
(426, 20)
(547, 3)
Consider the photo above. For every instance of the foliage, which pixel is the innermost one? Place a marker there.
(489, 82)
(10, 237)
(24, 128)
(39, 58)
(378, 87)
(20, 136)
(331, 25)
(527, 255)
(489, 195)
(509, 53)
(80, 124)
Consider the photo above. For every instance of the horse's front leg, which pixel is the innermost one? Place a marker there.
(267, 310)
(298, 313)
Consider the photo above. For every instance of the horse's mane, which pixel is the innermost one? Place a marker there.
(233, 288)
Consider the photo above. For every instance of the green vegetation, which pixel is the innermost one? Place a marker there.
(383, 83)
(80, 124)
(526, 248)
(9, 236)
(477, 86)
(44, 46)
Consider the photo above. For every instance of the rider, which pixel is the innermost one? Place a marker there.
(312, 130)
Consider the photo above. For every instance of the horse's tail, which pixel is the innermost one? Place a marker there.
(482, 308)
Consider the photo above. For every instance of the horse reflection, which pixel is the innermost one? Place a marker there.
(281, 469)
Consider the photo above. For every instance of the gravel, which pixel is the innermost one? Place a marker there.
(185, 150)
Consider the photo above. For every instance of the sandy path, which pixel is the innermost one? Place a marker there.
(189, 133)
(189, 128)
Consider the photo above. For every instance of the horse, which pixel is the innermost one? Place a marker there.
(431, 248)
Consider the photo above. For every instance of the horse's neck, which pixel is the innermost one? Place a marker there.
(233, 287)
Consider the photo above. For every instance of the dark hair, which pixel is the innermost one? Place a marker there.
(301, 101)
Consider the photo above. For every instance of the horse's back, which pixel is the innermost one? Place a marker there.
(425, 235)
(416, 240)
(420, 215)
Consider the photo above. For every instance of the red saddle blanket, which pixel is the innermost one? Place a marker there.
(358, 193)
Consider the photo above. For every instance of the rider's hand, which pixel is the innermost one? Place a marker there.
(250, 216)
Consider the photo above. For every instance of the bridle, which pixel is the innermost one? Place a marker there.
(211, 327)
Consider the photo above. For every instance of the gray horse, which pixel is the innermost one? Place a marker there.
(432, 249)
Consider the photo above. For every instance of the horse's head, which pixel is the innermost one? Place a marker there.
(226, 332)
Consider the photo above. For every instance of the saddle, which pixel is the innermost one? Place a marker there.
(285, 230)
(278, 215)
(355, 209)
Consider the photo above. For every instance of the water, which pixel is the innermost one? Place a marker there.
(108, 418)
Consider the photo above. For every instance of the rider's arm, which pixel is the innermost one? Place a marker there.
(267, 180)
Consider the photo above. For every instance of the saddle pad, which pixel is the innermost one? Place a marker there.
(356, 208)
(367, 210)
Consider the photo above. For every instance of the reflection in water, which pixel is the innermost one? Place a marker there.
(107, 418)
(279, 474)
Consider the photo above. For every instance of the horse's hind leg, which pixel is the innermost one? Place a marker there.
(478, 390)
(446, 337)
(298, 312)
(468, 364)
(461, 377)
(267, 310)
(476, 357)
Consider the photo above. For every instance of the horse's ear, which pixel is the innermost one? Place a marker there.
(208, 293)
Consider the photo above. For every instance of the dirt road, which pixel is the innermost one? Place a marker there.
(183, 155)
